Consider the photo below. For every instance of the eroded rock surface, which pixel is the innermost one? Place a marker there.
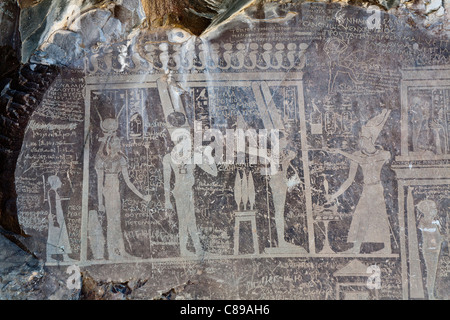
(114, 178)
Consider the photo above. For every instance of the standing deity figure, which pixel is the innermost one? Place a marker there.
(421, 131)
(183, 193)
(278, 183)
(110, 163)
(428, 132)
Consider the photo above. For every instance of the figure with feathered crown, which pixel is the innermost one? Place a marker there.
(370, 222)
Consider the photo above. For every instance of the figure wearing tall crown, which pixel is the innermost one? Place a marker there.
(370, 222)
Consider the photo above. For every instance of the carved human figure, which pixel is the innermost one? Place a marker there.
(431, 241)
(370, 222)
(58, 238)
(110, 162)
(183, 194)
(421, 132)
(440, 134)
(340, 61)
(428, 133)
(278, 183)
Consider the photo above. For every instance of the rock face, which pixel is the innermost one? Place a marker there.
(296, 150)
(9, 16)
(24, 277)
(64, 30)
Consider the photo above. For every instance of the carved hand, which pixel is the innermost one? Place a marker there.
(330, 198)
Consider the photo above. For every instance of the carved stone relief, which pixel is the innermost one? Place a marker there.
(303, 155)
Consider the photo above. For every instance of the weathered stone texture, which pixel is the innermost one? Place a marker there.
(355, 207)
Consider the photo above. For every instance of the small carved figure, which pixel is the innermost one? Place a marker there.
(58, 238)
(431, 241)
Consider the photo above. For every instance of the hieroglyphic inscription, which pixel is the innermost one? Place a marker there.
(349, 201)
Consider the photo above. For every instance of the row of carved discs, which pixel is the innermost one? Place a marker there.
(228, 46)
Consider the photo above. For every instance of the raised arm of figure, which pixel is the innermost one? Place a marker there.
(347, 183)
(209, 168)
(130, 185)
(351, 156)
